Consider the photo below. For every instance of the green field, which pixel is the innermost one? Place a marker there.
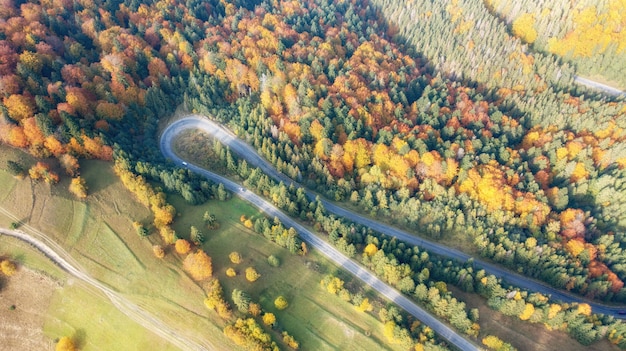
(98, 233)
(78, 310)
(318, 320)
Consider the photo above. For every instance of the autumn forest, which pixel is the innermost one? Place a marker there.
(457, 119)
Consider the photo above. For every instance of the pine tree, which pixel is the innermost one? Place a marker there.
(197, 237)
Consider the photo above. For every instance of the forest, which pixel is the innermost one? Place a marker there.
(479, 133)
(588, 34)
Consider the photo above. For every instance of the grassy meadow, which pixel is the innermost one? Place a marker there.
(318, 320)
(98, 233)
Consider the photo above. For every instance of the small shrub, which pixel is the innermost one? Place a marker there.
(251, 274)
(141, 230)
(158, 251)
(235, 257)
(65, 344)
(273, 261)
(281, 303)
(8, 268)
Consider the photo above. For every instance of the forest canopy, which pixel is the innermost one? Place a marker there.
(480, 137)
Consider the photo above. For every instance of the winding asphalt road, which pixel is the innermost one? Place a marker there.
(597, 85)
(197, 122)
(61, 258)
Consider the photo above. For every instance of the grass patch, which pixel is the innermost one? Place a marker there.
(95, 324)
(79, 219)
(8, 182)
(25, 255)
(23, 308)
(70, 308)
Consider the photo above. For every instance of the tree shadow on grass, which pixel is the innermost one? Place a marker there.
(21, 221)
(79, 338)
(96, 179)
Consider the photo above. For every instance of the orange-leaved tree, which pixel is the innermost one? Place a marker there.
(41, 170)
(158, 251)
(198, 265)
(182, 246)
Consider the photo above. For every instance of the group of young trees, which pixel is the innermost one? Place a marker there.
(240, 334)
(152, 198)
(398, 329)
(249, 334)
(44, 171)
(215, 299)
(245, 305)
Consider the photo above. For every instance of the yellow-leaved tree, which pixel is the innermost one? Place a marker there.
(19, 106)
(78, 187)
(269, 319)
(529, 309)
(65, 344)
(252, 274)
(584, 309)
(370, 249)
(524, 28)
(281, 303)
(235, 257)
(365, 306)
(8, 268)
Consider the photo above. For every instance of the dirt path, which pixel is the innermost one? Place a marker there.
(57, 254)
